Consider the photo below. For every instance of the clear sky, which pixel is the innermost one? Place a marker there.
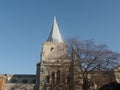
(25, 25)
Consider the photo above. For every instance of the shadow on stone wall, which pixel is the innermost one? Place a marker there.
(111, 86)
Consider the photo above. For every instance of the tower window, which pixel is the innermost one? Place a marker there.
(51, 49)
(53, 76)
(58, 75)
(48, 79)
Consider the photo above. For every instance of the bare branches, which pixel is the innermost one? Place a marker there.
(91, 58)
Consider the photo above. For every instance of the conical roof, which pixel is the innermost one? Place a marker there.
(55, 35)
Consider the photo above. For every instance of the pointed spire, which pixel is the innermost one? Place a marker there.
(55, 35)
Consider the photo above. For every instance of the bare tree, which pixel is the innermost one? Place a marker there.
(91, 57)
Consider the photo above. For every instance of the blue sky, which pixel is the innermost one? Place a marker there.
(25, 25)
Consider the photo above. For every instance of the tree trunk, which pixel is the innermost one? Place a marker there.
(86, 84)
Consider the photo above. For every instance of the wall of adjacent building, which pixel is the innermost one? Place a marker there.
(19, 86)
(18, 81)
(2, 83)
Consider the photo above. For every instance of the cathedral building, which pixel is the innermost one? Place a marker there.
(55, 71)
(54, 64)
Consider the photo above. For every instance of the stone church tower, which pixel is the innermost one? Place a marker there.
(54, 63)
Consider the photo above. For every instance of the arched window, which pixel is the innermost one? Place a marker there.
(58, 75)
(48, 79)
(24, 81)
(53, 76)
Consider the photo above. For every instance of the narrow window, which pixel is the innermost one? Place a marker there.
(58, 75)
(53, 76)
(48, 79)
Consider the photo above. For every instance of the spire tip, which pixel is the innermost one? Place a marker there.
(55, 35)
